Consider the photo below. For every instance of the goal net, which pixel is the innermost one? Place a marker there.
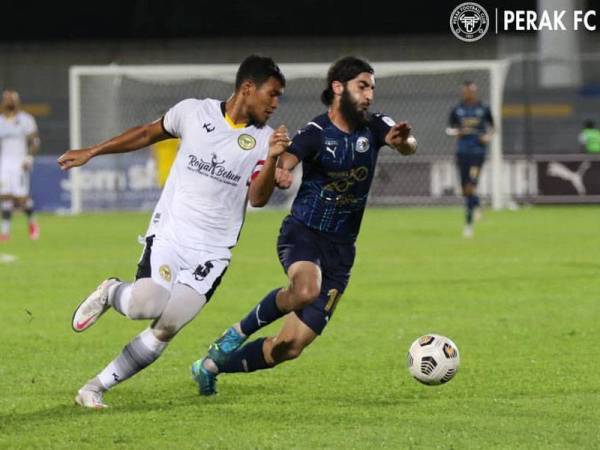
(106, 100)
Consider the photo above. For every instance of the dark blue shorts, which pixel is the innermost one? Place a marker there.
(469, 167)
(297, 242)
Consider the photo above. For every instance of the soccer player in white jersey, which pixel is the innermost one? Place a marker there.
(19, 141)
(227, 156)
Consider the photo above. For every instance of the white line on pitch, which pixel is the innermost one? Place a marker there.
(5, 258)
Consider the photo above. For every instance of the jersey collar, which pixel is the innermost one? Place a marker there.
(230, 122)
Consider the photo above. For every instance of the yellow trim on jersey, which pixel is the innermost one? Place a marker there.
(232, 124)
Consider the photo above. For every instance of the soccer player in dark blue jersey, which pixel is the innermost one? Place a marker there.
(338, 151)
(472, 123)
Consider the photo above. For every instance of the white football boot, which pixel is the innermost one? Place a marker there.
(90, 399)
(96, 304)
(468, 231)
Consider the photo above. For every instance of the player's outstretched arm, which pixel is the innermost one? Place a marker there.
(262, 186)
(283, 173)
(133, 139)
(399, 137)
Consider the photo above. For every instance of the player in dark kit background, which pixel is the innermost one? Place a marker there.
(472, 123)
(338, 151)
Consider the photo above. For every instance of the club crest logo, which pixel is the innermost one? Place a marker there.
(165, 273)
(469, 22)
(246, 142)
(362, 144)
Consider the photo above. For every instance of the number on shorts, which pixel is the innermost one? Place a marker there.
(333, 298)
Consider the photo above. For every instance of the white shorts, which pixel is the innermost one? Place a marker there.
(168, 263)
(14, 182)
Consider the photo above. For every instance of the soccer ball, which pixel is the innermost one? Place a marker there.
(433, 359)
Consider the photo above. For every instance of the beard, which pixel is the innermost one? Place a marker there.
(349, 108)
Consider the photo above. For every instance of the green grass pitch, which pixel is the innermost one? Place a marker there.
(521, 300)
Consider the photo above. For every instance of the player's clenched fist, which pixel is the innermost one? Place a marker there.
(283, 178)
(399, 137)
(74, 158)
(279, 141)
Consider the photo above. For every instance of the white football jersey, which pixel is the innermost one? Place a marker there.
(204, 199)
(13, 139)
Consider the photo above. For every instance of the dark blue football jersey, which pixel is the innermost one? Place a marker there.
(337, 173)
(473, 120)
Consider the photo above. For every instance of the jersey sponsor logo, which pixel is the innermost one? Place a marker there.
(214, 169)
(469, 22)
(362, 144)
(208, 127)
(246, 142)
(330, 150)
(165, 273)
(347, 179)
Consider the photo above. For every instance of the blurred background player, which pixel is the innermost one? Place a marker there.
(19, 141)
(589, 137)
(338, 151)
(472, 123)
(198, 217)
(164, 154)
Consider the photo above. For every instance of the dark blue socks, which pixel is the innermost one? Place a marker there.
(263, 314)
(471, 202)
(247, 359)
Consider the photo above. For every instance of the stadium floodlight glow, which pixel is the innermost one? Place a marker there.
(106, 100)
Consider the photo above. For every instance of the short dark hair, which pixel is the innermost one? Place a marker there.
(344, 70)
(468, 83)
(258, 69)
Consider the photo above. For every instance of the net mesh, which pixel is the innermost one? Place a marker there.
(111, 103)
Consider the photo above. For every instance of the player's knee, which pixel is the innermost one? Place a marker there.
(148, 300)
(306, 294)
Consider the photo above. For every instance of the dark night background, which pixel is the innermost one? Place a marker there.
(180, 19)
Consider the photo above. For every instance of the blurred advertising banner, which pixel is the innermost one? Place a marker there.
(129, 182)
(113, 182)
(560, 177)
(46, 185)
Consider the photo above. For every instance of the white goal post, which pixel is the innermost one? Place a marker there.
(106, 100)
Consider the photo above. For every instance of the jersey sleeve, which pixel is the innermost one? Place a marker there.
(174, 121)
(488, 116)
(453, 119)
(262, 159)
(256, 171)
(307, 142)
(380, 125)
(31, 126)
